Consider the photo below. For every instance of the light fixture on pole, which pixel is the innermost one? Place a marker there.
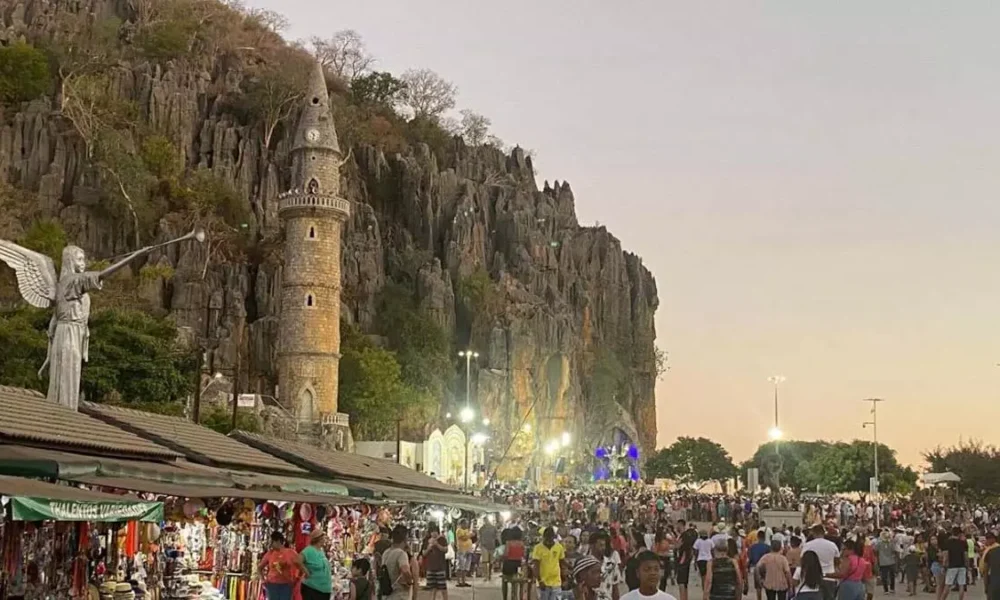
(777, 380)
(468, 355)
(216, 377)
(875, 489)
(775, 432)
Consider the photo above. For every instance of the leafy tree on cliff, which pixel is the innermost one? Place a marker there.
(377, 89)
(274, 90)
(24, 73)
(977, 464)
(421, 345)
(693, 462)
(427, 93)
(373, 391)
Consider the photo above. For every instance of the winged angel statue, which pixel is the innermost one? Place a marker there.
(69, 336)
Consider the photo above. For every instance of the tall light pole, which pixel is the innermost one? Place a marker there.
(874, 424)
(775, 433)
(468, 355)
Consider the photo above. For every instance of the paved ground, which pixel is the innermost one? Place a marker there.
(491, 591)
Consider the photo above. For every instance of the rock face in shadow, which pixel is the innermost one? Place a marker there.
(564, 295)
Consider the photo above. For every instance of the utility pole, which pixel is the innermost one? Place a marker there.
(399, 441)
(874, 424)
(775, 434)
(203, 348)
(236, 380)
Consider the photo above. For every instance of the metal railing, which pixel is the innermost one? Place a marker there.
(298, 200)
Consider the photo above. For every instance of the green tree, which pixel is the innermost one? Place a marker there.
(693, 462)
(22, 335)
(45, 236)
(832, 467)
(482, 302)
(135, 360)
(167, 39)
(421, 345)
(789, 455)
(220, 418)
(976, 463)
(372, 390)
(24, 73)
(377, 89)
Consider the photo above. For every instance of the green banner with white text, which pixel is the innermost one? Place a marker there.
(42, 509)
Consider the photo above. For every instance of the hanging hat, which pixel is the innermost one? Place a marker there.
(224, 516)
(321, 511)
(305, 511)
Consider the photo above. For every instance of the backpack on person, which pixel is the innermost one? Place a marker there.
(384, 581)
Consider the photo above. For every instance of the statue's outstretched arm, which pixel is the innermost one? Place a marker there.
(197, 234)
(123, 262)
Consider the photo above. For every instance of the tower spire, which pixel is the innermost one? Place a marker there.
(316, 130)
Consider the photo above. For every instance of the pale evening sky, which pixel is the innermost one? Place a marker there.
(813, 184)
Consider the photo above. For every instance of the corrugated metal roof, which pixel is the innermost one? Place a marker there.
(343, 464)
(28, 417)
(32, 488)
(196, 442)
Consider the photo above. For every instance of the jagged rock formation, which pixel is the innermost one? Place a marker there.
(566, 290)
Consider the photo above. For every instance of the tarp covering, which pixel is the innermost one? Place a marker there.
(45, 509)
(936, 478)
(33, 500)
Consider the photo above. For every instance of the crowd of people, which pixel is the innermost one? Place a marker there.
(634, 543)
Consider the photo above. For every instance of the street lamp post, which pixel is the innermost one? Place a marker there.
(775, 432)
(874, 424)
(468, 355)
(478, 438)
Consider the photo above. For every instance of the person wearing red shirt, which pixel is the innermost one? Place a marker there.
(280, 567)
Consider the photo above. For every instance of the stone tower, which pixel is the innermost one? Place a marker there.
(313, 215)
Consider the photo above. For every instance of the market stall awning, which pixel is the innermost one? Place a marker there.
(33, 500)
(462, 501)
(187, 491)
(27, 461)
(344, 466)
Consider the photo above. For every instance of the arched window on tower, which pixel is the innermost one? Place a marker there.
(305, 406)
(313, 187)
(312, 232)
(310, 301)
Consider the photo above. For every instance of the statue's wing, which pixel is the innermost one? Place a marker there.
(36, 273)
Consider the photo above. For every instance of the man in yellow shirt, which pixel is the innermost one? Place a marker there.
(463, 554)
(547, 561)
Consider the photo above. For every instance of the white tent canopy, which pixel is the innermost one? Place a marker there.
(936, 478)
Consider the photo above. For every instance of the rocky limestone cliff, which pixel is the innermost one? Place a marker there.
(566, 290)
